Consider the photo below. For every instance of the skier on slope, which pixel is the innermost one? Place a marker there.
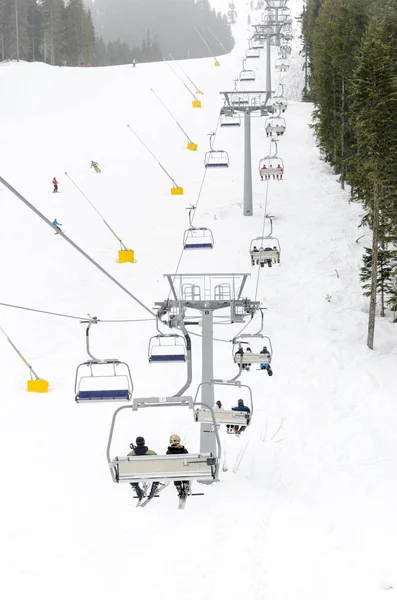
(95, 166)
(57, 225)
(142, 450)
(55, 184)
(176, 447)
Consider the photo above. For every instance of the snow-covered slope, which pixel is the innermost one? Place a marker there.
(306, 509)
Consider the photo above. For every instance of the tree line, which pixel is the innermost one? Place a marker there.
(63, 31)
(50, 31)
(350, 50)
(170, 23)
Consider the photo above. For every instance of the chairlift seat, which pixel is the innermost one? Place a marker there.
(199, 238)
(187, 467)
(279, 129)
(167, 358)
(253, 53)
(103, 381)
(265, 255)
(222, 417)
(216, 159)
(230, 120)
(271, 170)
(247, 75)
(248, 357)
(103, 395)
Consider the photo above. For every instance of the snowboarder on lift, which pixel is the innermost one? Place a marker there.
(95, 166)
(55, 184)
(176, 447)
(142, 450)
(266, 365)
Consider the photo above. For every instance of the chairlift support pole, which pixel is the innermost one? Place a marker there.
(155, 158)
(248, 210)
(207, 303)
(209, 49)
(170, 113)
(248, 204)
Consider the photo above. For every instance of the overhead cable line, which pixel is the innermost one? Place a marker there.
(75, 246)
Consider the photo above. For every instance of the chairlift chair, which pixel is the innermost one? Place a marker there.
(102, 380)
(198, 238)
(245, 359)
(230, 118)
(275, 125)
(215, 158)
(285, 50)
(253, 53)
(238, 99)
(265, 250)
(228, 417)
(153, 468)
(167, 348)
(280, 103)
(271, 166)
(281, 64)
(257, 44)
(247, 75)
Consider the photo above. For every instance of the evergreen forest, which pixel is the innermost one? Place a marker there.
(109, 32)
(350, 51)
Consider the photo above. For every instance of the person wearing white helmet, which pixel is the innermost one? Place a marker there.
(176, 447)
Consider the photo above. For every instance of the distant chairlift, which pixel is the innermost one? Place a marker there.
(246, 74)
(229, 117)
(197, 238)
(265, 250)
(253, 53)
(285, 50)
(230, 418)
(167, 348)
(272, 165)
(257, 44)
(102, 380)
(281, 64)
(215, 158)
(245, 359)
(275, 125)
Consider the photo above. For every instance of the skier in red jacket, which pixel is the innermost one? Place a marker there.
(55, 184)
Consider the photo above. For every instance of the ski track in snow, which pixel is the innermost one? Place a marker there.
(309, 512)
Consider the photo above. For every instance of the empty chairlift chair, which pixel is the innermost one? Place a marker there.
(229, 117)
(167, 348)
(253, 53)
(215, 158)
(246, 74)
(198, 238)
(102, 380)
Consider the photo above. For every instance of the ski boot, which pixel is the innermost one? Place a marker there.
(269, 371)
(153, 490)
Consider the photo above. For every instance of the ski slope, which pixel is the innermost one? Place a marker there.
(306, 509)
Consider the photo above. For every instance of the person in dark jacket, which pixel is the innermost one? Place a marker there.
(266, 361)
(241, 408)
(142, 450)
(176, 447)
